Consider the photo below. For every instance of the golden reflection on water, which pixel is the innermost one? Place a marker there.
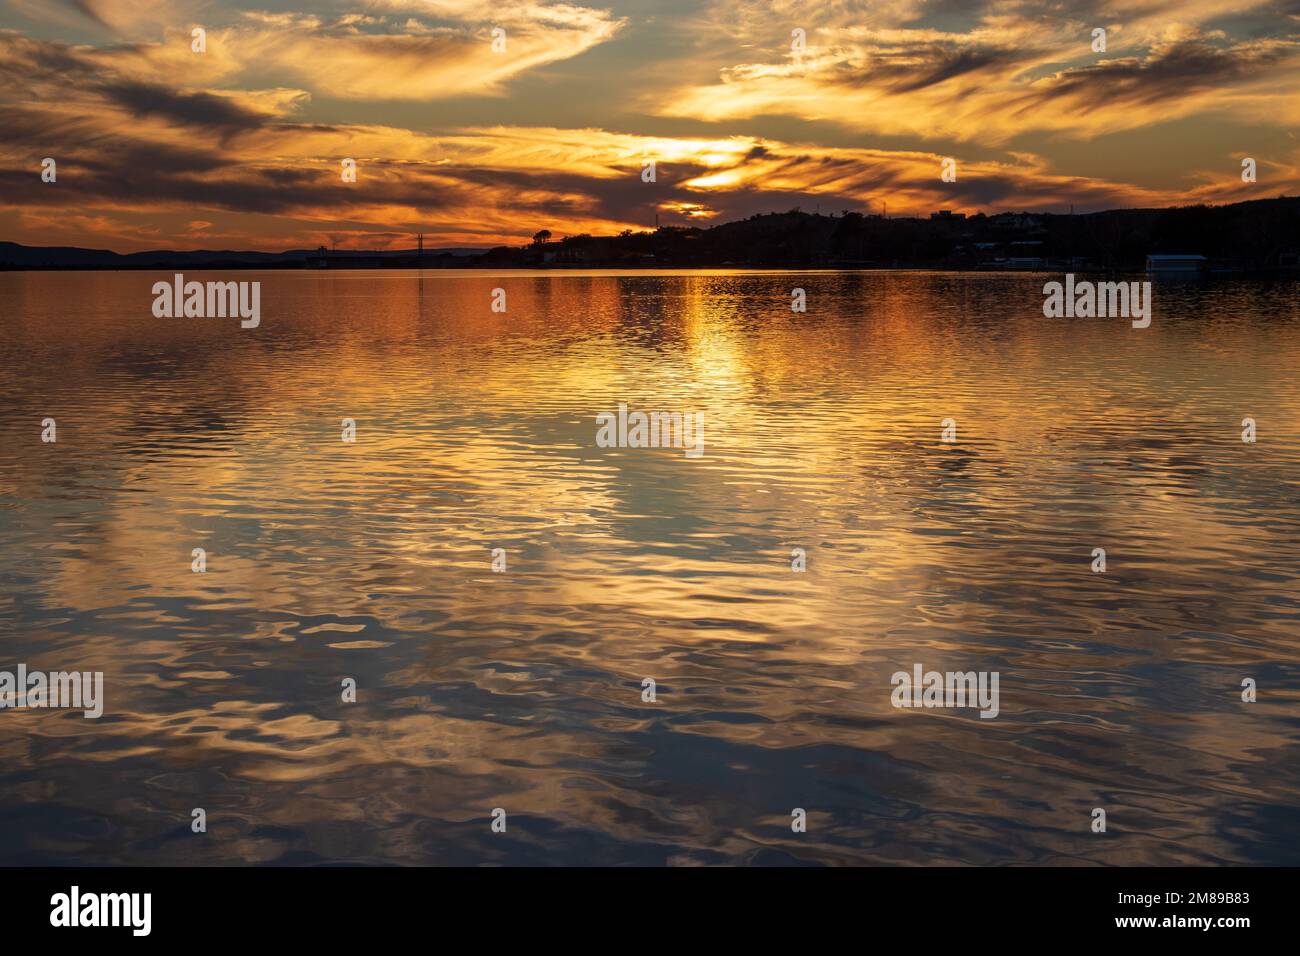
(476, 430)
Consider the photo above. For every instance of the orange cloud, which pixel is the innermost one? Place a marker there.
(1014, 71)
(151, 138)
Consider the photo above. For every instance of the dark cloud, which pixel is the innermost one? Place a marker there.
(951, 64)
(913, 67)
(86, 8)
(218, 113)
(1173, 73)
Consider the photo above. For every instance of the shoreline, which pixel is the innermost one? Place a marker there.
(630, 269)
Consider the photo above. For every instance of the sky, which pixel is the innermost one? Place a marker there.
(480, 122)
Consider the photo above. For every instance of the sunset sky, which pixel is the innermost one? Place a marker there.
(240, 146)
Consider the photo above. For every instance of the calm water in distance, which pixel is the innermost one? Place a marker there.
(522, 690)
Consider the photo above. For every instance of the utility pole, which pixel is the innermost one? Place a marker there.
(1069, 239)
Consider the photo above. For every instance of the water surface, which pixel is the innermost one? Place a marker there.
(522, 690)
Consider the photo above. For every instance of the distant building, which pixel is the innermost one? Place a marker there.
(947, 214)
(1176, 264)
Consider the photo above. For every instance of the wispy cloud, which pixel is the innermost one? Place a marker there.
(1011, 70)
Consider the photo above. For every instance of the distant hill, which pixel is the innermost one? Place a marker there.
(1248, 236)
(15, 256)
(1257, 235)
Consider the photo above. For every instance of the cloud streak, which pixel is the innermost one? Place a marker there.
(1010, 72)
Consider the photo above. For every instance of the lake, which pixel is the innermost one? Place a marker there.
(499, 586)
